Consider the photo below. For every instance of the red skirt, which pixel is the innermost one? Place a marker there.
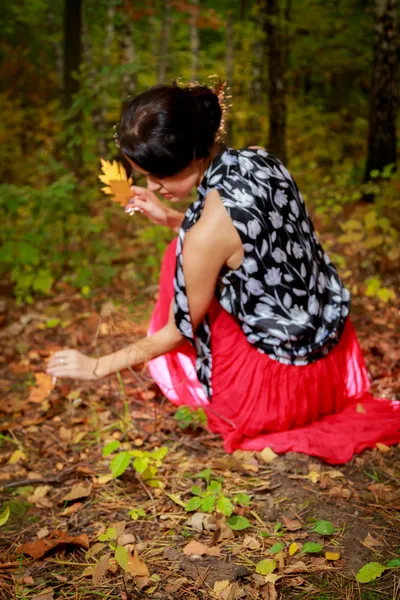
(323, 409)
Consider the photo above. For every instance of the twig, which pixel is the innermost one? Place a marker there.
(150, 495)
(54, 479)
(9, 565)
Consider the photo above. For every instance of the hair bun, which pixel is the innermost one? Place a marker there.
(208, 102)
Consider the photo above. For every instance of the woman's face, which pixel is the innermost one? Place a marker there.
(179, 186)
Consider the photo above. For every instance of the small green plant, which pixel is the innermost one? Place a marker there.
(213, 499)
(135, 513)
(109, 541)
(145, 464)
(187, 417)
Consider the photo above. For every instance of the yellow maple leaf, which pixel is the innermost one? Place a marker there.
(116, 181)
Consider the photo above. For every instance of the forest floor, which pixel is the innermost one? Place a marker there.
(61, 495)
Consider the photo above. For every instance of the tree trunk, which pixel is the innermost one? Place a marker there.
(164, 41)
(57, 48)
(229, 72)
(277, 67)
(72, 61)
(129, 78)
(384, 93)
(194, 39)
(72, 48)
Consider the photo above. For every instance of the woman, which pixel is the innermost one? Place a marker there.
(252, 320)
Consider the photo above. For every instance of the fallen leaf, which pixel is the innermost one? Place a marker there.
(313, 476)
(95, 549)
(78, 490)
(268, 455)
(332, 555)
(70, 510)
(196, 521)
(251, 543)
(42, 533)
(271, 578)
(136, 566)
(297, 567)
(65, 434)
(28, 580)
(225, 532)
(103, 479)
(383, 448)
(219, 586)
(100, 568)
(195, 547)
(334, 474)
(293, 548)
(292, 524)
(39, 548)
(268, 591)
(44, 385)
(16, 457)
(247, 461)
(371, 542)
(38, 498)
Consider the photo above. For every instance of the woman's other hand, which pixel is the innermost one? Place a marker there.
(73, 364)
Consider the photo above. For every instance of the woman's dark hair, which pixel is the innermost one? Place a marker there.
(164, 128)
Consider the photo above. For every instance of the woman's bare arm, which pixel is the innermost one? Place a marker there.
(207, 247)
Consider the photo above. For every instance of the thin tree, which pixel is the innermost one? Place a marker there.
(72, 61)
(384, 92)
(276, 40)
(194, 38)
(164, 40)
(229, 61)
(72, 48)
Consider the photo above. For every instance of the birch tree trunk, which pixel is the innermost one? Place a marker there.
(384, 92)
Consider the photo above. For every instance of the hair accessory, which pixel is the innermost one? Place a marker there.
(221, 89)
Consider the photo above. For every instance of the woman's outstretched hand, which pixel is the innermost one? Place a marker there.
(73, 364)
(147, 202)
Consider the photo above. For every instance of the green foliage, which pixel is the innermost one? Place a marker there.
(136, 513)
(237, 523)
(369, 572)
(213, 499)
(49, 234)
(187, 417)
(277, 547)
(324, 528)
(311, 548)
(4, 516)
(53, 222)
(145, 464)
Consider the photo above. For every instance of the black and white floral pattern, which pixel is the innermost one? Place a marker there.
(286, 295)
